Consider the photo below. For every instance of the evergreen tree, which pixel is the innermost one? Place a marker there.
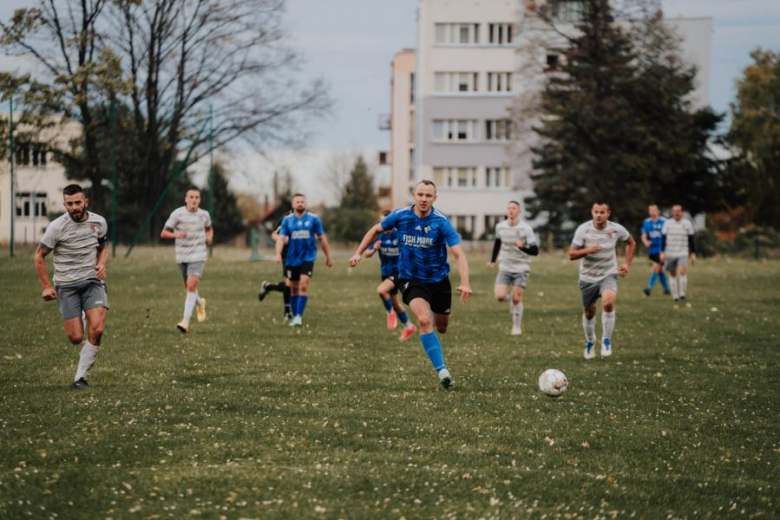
(226, 218)
(357, 208)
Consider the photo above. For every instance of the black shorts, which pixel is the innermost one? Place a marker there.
(655, 258)
(437, 294)
(393, 278)
(293, 273)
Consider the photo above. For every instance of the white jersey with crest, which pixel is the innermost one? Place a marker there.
(191, 248)
(677, 232)
(75, 246)
(511, 258)
(602, 263)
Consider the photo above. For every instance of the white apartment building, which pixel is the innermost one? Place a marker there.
(39, 182)
(451, 102)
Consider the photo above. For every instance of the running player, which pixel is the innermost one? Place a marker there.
(678, 246)
(191, 227)
(424, 234)
(301, 231)
(78, 240)
(388, 248)
(594, 245)
(284, 285)
(652, 239)
(515, 240)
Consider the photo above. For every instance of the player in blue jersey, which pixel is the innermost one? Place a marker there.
(424, 234)
(301, 231)
(652, 238)
(388, 248)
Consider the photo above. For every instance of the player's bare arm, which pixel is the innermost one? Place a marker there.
(48, 293)
(367, 239)
(630, 250)
(326, 249)
(209, 234)
(645, 240)
(575, 253)
(463, 270)
(280, 240)
(371, 252)
(102, 258)
(171, 234)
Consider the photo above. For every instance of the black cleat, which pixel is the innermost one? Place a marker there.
(682, 297)
(263, 291)
(445, 379)
(667, 293)
(646, 291)
(80, 384)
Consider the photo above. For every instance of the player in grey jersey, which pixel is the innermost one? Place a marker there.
(515, 244)
(191, 227)
(594, 246)
(677, 248)
(78, 241)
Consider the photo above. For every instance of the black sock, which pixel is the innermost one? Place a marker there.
(287, 295)
(281, 286)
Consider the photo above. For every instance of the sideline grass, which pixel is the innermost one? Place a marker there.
(243, 418)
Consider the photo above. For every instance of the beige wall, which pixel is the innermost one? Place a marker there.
(402, 126)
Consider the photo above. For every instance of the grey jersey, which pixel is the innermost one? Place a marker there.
(75, 246)
(676, 233)
(603, 262)
(191, 248)
(510, 257)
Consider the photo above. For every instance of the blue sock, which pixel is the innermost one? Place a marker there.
(664, 282)
(301, 304)
(403, 317)
(294, 304)
(651, 283)
(430, 343)
(388, 305)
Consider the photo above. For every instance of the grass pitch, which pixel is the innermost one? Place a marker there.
(244, 418)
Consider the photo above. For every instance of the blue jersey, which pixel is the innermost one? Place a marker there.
(423, 244)
(653, 232)
(303, 232)
(389, 252)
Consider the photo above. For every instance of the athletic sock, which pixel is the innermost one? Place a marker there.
(388, 304)
(651, 282)
(301, 305)
(683, 284)
(664, 282)
(294, 304)
(589, 327)
(673, 283)
(198, 299)
(287, 295)
(430, 343)
(281, 286)
(403, 317)
(607, 324)
(517, 314)
(189, 305)
(86, 359)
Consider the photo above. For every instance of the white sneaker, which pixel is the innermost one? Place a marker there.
(445, 379)
(516, 330)
(590, 352)
(297, 321)
(606, 348)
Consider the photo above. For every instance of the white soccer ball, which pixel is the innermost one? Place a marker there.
(552, 382)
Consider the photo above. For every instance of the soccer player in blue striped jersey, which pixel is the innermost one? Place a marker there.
(424, 234)
(389, 251)
(652, 238)
(301, 231)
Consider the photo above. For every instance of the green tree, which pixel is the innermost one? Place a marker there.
(617, 124)
(357, 208)
(755, 136)
(226, 219)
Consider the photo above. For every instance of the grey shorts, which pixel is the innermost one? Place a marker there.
(509, 278)
(192, 269)
(591, 292)
(673, 263)
(74, 298)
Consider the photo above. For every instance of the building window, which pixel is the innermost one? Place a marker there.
(456, 81)
(457, 34)
(31, 204)
(30, 154)
(500, 33)
(498, 130)
(411, 88)
(496, 177)
(567, 10)
(490, 224)
(456, 178)
(499, 82)
(454, 130)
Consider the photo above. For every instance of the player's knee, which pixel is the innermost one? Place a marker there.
(441, 328)
(424, 321)
(517, 298)
(609, 306)
(589, 313)
(96, 330)
(381, 292)
(192, 285)
(76, 338)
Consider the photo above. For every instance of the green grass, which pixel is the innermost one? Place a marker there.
(243, 418)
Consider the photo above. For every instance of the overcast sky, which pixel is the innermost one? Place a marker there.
(350, 44)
